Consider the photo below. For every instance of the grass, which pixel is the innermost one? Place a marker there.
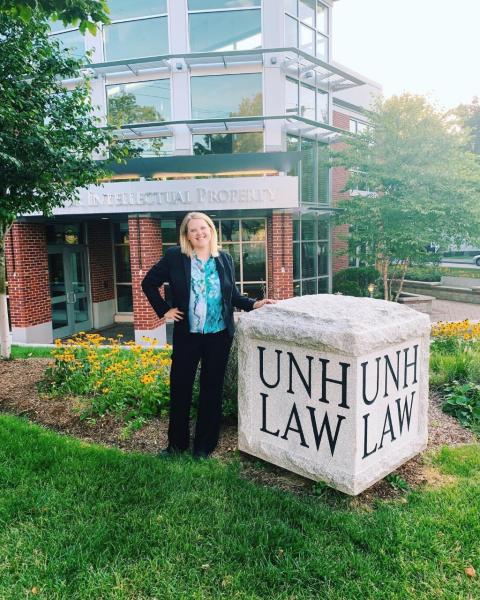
(78, 521)
(30, 352)
(433, 273)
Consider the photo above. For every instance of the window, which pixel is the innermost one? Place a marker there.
(225, 30)
(306, 26)
(310, 255)
(144, 102)
(217, 96)
(123, 273)
(314, 170)
(227, 143)
(150, 147)
(306, 12)
(138, 29)
(306, 101)
(219, 4)
(71, 40)
(358, 126)
(245, 241)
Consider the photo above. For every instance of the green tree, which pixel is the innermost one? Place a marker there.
(469, 119)
(48, 134)
(419, 185)
(85, 13)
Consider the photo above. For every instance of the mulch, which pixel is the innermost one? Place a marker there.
(19, 396)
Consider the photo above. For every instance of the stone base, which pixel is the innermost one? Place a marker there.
(103, 314)
(160, 334)
(37, 334)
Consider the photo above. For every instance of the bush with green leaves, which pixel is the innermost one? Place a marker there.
(463, 402)
(354, 281)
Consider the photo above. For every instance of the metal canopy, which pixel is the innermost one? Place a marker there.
(296, 63)
(209, 164)
(294, 124)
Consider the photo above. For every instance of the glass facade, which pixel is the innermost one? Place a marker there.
(151, 147)
(218, 96)
(72, 40)
(310, 255)
(138, 29)
(143, 102)
(314, 170)
(225, 30)
(123, 274)
(305, 100)
(219, 4)
(245, 240)
(228, 143)
(306, 27)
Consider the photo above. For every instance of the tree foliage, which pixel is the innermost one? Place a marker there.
(469, 119)
(84, 13)
(48, 134)
(416, 185)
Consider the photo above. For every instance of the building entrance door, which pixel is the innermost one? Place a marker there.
(71, 310)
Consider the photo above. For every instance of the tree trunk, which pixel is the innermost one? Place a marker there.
(384, 271)
(405, 266)
(4, 329)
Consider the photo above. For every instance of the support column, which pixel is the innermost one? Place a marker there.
(280, 256)
(340, 258)
(28, 284)
(145, 250)
(101, 273)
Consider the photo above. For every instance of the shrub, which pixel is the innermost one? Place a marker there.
(463, 402)
(355, 280)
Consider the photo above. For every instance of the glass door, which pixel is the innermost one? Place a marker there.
(71, 310)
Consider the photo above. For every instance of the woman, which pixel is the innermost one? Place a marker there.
(203, 292)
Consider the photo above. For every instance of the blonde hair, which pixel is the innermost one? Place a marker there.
(185, 245)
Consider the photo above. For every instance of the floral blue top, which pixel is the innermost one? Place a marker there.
(205, 307)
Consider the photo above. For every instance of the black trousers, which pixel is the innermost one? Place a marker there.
(189, 349)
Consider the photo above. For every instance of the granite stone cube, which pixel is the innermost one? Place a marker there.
(334, 388)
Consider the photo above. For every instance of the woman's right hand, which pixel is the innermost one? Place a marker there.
(174, 313)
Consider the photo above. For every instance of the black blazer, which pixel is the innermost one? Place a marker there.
(175, 268)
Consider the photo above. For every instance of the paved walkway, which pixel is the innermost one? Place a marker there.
(446, 310)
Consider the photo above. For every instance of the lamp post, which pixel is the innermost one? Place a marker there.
(371, 289)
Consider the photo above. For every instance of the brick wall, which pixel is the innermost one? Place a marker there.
(101, 261)
(339, 180)
(145, 250)
(280, 256)
(27, 275)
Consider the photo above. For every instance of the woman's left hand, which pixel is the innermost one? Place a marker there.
(260, 303)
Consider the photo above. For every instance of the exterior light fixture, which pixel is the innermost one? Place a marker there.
(273, 60)
(179, 66)
(371, 289)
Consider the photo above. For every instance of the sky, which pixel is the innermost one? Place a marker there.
(428, 47)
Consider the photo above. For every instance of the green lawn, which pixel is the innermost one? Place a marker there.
(82, 521)
(30, 352)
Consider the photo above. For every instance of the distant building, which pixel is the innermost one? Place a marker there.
(233, 104)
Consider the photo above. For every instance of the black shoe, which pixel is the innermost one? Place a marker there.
(199, 455)
(169, 452)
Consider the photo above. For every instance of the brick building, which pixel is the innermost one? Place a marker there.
(232, 105)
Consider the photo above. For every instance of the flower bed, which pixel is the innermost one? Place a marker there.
(455, 370)
(132, 383)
